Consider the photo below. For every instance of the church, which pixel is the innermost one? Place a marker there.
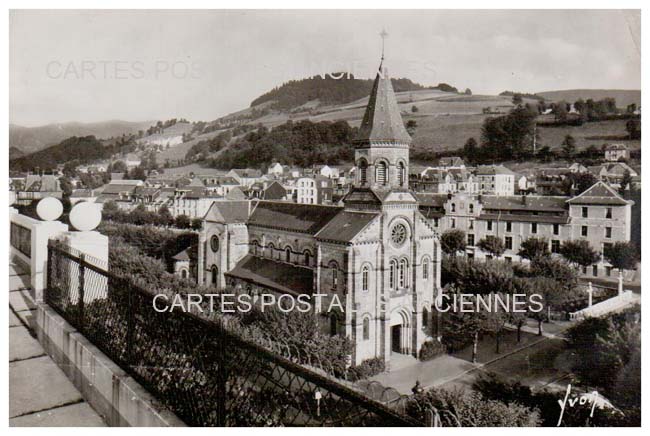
(377, 253)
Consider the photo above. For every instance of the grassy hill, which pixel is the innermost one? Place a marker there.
(32, 139)
(623, 97)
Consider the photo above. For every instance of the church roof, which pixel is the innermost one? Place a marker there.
(303, 218)
(599, 193)
(229, 212)
(345, 226)
(279, 276)
(382, 120)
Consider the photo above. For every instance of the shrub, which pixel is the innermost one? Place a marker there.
(366, 369)
(431, 350)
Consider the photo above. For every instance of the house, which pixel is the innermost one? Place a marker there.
(616, 152)
(275, 169)
(132, 160)
(451, 162)
(81, 195)
(121, 192)
(36, 187)
(245, 176)
(495, 180)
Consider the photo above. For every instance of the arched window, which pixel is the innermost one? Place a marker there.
(335, 274)
(365, 273)
(471, 208)
(307, 258)
(425, 317)
(183, 273)
(287, 254)
(401, 174)
(403, 273)
(214, 272)
(271, 248)
(255, 247)
(453, 207)
(333, 325)
(380, 175)
(363, 172)
(366, 329)
(425, 269)
(392, 274)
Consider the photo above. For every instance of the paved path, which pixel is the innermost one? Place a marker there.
(40, 394)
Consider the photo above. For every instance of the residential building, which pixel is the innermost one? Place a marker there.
(599, 215)
(495, 180)
(616, 152)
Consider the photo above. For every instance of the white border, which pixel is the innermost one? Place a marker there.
(318, 4)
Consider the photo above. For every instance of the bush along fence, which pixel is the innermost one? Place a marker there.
(203, 371)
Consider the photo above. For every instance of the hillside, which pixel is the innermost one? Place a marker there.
(32, 139)
(623, 97)
(82, 149)
(329, 91)
(15, 153)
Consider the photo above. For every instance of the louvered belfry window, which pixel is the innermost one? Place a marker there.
(381, 173)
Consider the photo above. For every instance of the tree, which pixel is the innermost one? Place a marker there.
(548, 293)
(468, 91)
(411, 125)
(560, 111)
(470, 150)
(517, 99)
(579, 253)
(633, 128)
(118, 167)
(626, 182)
(453, 242)
(458, 408)
(166, 218)
(580, 182)
(532, 248)
(569, 146)
(183, 222)
(622, 256)
(196, 224)
(493, 245)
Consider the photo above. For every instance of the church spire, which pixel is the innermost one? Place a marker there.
(382, 121)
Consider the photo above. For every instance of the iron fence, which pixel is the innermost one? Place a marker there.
(20, 237)
(203, 371)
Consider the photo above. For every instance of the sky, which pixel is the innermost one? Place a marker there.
(89, 66)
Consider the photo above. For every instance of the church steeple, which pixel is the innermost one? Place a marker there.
(382, 121)
(382, 145)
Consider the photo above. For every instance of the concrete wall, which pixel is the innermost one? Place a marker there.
(111, 391)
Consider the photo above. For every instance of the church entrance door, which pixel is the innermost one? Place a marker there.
(396, 338)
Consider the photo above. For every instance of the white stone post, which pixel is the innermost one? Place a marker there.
(42, 232)
(620, 282)
(590, 291)
(86, 217)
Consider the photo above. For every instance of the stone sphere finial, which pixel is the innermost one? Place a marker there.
(85, 216)
(49, 209)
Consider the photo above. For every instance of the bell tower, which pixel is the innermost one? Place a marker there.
(382, 145)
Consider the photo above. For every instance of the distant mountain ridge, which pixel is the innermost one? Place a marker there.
(32, 139)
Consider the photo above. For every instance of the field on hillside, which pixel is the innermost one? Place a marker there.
(553, 136)
(179, 151)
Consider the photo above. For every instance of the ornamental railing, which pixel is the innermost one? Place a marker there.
(201, 370)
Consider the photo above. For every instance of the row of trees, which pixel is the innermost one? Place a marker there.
(141, 217)
(552, 281)
(621, 255)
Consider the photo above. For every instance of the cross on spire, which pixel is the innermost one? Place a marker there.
(383, 34)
